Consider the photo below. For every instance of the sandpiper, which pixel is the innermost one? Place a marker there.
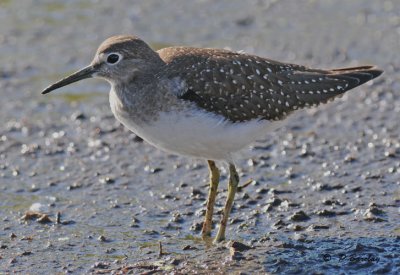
(208, 103)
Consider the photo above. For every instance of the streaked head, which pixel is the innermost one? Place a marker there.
(118, 59)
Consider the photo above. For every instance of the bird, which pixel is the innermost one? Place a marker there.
(208, 103)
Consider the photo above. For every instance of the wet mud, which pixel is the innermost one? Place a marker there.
(81, 194)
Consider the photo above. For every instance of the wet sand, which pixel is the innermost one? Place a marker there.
(81, 194)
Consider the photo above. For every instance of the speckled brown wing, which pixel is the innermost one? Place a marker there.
(243, 87)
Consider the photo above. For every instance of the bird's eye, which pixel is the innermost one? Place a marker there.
(113, 58)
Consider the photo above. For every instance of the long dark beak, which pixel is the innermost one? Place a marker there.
(86, 72)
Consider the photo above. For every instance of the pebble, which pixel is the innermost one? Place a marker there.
(177, 218)
(152, 170)
(175, 261)
(196, 226)
(325, 213)
(274, 201)
(236, 255)
(238, 246)
(315, 227)
(279, 224)
(74, 186)
(189, 247)
(374, 214)
(262, 190)
(102, 238)
(78, 116)
(107, 180)
(295, 227)
(299, 216)
(101, 265)
(196, 192)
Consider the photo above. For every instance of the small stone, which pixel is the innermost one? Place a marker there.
(34, 188)
(267, 208)
(274, 201)
(67, 222)
(251, 162)
(235, 220)
(350, 158)
(200, 212)
(299, 216)
(251, 202)
(34, 215)
(13, 261)
(135, 222)
(245, 22)
(390, 153)
(374, 214)
(177, 218)
(101, 265)
(315, 227)
(106, 180)
(189, 247)
(74, 186)
(376, 211)
(356, 189)
(166, 196)
(78, 116)
(371, 218)
(295, 227)
(306, 151)
(44, 219)
(284, 245)
(325, 213)
(327, 187)
(175, 261)
(300, 237)
(332, 202)
(290, 174)
(110, 250)
(279, 224)
(152, 170)
(151, 232)
(238, 246)
(286, 204)
(183, 185)
(196, 192)
(235, 255)
(27, 238)
(197, 226)
(262, 191)
(102, 238)
(52, 183)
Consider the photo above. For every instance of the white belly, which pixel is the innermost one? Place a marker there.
(197, 133)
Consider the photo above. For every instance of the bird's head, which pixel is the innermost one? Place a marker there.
(118, 59)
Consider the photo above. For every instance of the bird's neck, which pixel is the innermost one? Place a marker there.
(131, 92)
(141, 99)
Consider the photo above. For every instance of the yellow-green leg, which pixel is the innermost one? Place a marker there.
(212, 193)
(232, 187)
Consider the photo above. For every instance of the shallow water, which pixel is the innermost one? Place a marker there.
(118, 198)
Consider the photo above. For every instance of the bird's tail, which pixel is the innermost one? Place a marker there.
(313, 87)
(357, 75)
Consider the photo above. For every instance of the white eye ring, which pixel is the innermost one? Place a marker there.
(113, 58)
